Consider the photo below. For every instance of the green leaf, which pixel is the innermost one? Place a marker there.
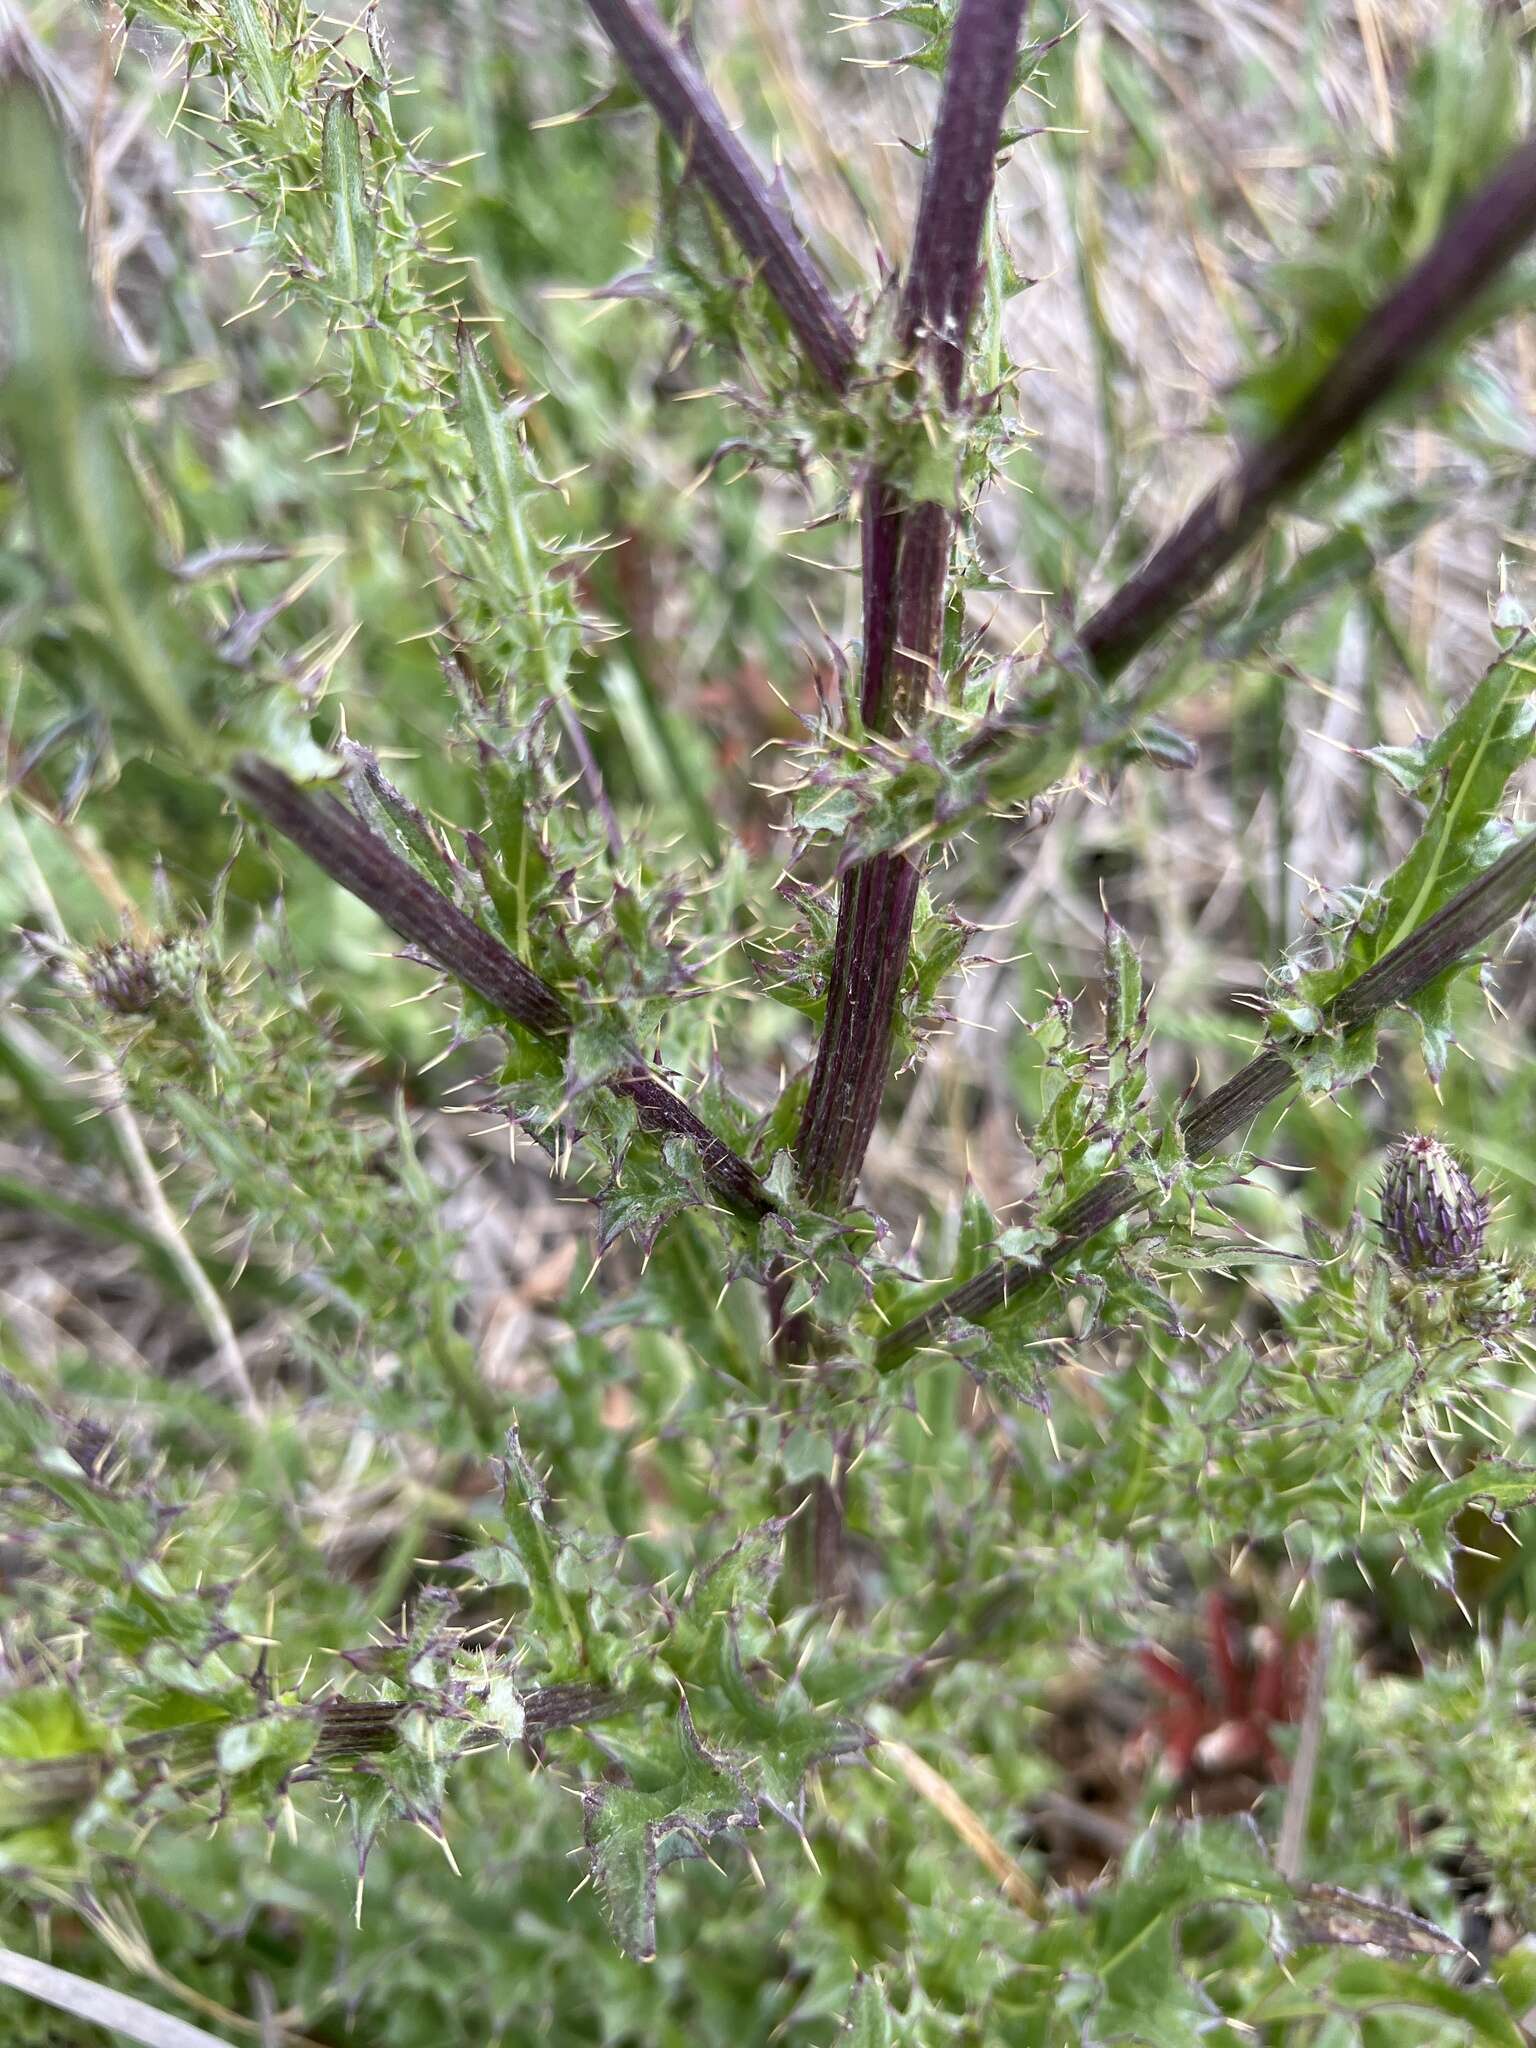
(785, 1736)
(396, 819)
(257, 1758)
(1146, 1993)
(870, 2022)
(976, 1243)
(354, 255)
(44, 1721)
(1465, 772)
(529, 1554)
(1462, 776)
(649, 1190)
(408, 1780)
(511, 858)
(499, 467)
(1008, 1356)
(598, 1046)
(674, 1806)
(746, 1573)
(1457, 116)
(1123, 1016)
(1372, 1985)
(1346, 558)
(264, 65)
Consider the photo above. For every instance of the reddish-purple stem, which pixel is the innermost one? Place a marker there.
(1458, 928)
(366, 865)
(757, 217)
(906, 563)
(1474, 246)
(906, 550)
(869, 955)
(880, 534)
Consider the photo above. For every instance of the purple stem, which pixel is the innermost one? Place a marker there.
(1474, 246)
(759, 220)
(905, 554)
(944, 272)
(874, 928)
(906, 565)
(345, 1729)
(1455, 930)
(371, 870)
(881, 539)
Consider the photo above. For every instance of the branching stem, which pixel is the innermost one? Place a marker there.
(1455, 930)
(758, 218)
(1389, 347)
(906, 547)
(1480, 240)
(363, 863)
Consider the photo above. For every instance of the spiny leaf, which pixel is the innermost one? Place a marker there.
(1145, 1992)
(265, 68)
(1124, 1018)
(745, 1574)
(44, 1721)
(530, 1553)
(870, 2022)
(1374, 1987)
(354, 270)
(1462, 775)
(677, 1802)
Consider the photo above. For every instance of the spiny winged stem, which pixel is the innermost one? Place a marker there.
(550, 624)
(347, 1732)
(1455, 930)
(1390, 346)
(758, 218)
(332, 183)
(905, 549)
(372, 871)
(906, 561)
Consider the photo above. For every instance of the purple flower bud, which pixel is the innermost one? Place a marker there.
(1432, 1216)
(122, 977)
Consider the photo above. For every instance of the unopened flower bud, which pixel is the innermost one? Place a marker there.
(122, 978)
(1432, 1216)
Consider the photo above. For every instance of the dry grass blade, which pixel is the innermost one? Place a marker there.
(129, 2017)
(1018, 1887)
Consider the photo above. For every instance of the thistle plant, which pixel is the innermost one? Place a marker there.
(815, 1503)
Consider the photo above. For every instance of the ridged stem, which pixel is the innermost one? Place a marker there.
(34, 1794)
(1390, 344)
(906, 564)
(1455, 930)
(757, 217)
(363, 863)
